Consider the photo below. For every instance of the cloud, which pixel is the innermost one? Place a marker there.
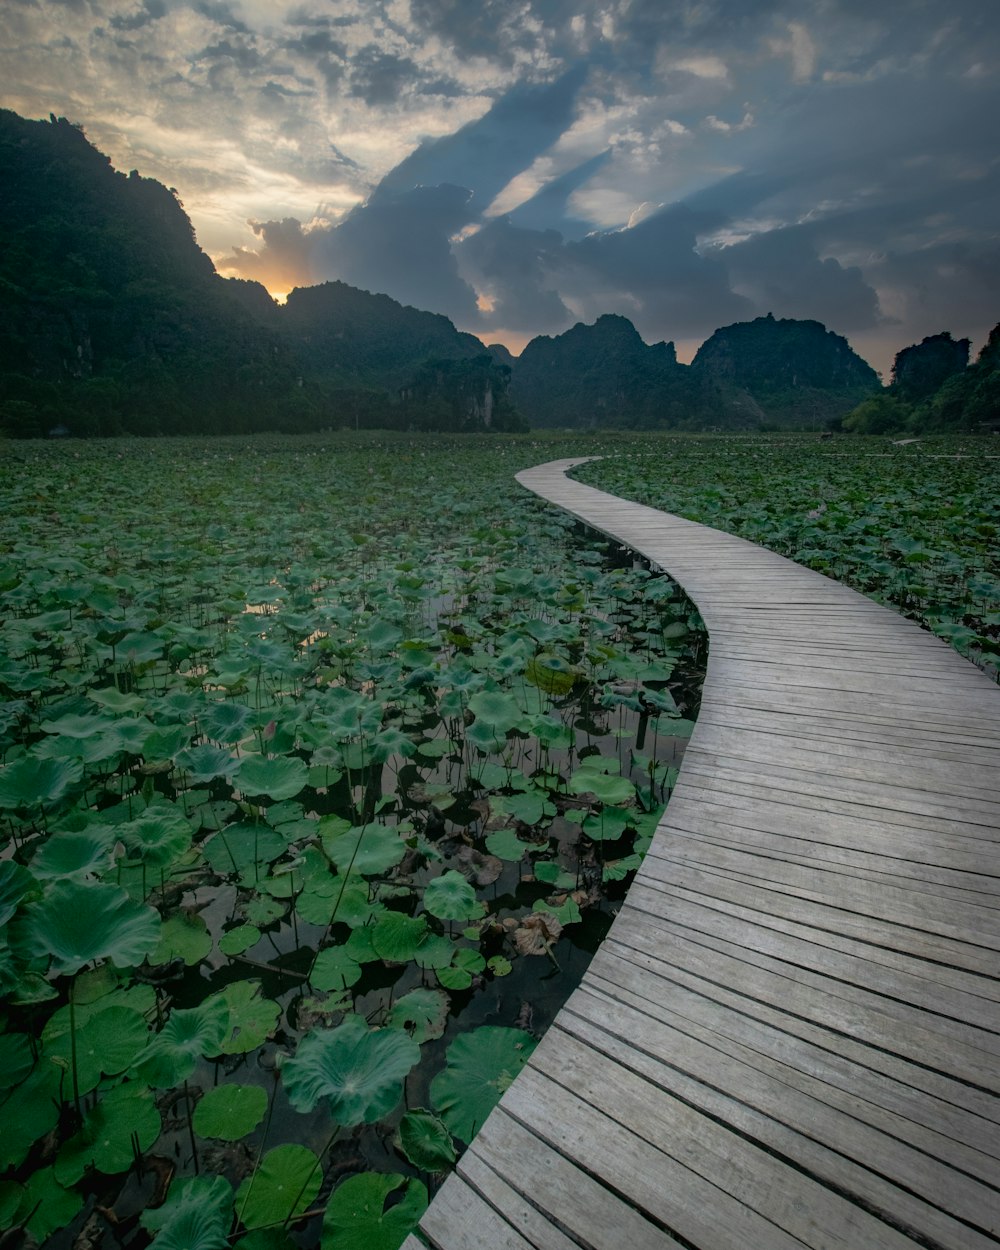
(523, 163)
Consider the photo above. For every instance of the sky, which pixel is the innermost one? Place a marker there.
(522, 165)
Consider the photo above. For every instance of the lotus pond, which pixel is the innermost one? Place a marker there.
(915, 525)
(325, 763)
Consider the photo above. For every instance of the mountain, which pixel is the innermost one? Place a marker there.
(797, 373)
(113, 320)
(788, 373)
(605, 376)
(934, 390)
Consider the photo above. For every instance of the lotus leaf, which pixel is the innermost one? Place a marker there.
(529, 808)
(75, 923)
(335, 969)
(188, 1034)
(115, 700)
(106, 1043)
(183, 936)
(356, 1216)
(196, 1215)
(567, 912)
(479, 869)
(205, 762)
(499, 966)
(498, 710)
(280, 778)
(365, 849)
(266, 1239)
(11, 1203)
(16, 1059)
(285, 1185)
(479, 1067)
(15, 883)
(51, 1205)
(603, 786)
(159, 836)
(29, 1112)
(230, 1112)
(608, 824)
(465, 965)
(506, 845)
(251, 1017)
(82, 854)
(105, 1140)
(425, 1141)
(240, 847)
(397, 938)
(30, 781)
(226, 722)
(241, 938)
(435, 951)
(359, 1072)
(537, 934)
(422, 1013)
(451, 897)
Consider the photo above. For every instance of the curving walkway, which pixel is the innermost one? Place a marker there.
(791, 1036)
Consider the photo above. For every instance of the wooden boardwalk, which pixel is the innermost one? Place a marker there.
(791, 1035)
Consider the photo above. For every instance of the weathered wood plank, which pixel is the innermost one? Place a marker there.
(791, 1036)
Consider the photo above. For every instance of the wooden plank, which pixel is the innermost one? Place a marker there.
(574, 1200)
(828, 1135)
(790, 1037)
(459, 1219)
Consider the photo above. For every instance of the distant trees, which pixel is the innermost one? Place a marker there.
(934, 389)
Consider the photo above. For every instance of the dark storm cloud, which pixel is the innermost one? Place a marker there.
(379, 77)
(399, 244)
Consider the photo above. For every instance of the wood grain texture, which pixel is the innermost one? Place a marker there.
(791, 1036)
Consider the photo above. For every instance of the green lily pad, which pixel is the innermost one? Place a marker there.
(51, 1204)
(506, 845)
(365, 849)
(280, 778)
(205, 762)
(196, 1215)
(241, 938)
(105, 1140)
(106, 1043)
(451, 897)
(87, 853)
(425, 1141)
(188, 1034)
(30, 1111)
(230, 1112)
(159, 836)
(422, 1013)
(183, 936)
(335, 969)
(285, 1185)
(356, 1216)
(603, 786)
(499, 711)
(465, 965)
(359, 1072)
(252, 1017)
(479, 1067)
(75, 922)
(15, 883)
(30, 782)
(397, 938)
(16, 1059)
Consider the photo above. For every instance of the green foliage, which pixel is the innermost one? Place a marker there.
(272, 677)
(357, 1072)
(357, 1218)
(480, 1066)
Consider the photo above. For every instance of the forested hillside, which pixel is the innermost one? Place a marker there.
(113, 320)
